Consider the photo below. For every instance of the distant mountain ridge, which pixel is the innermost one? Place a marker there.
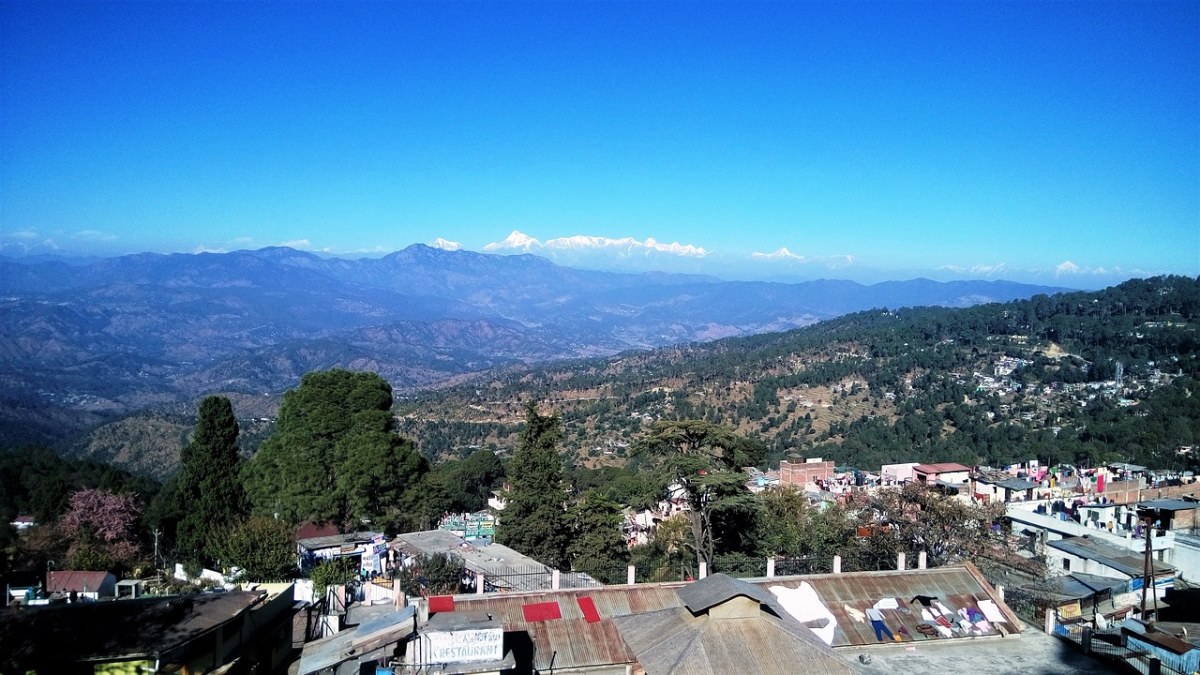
(82, 342)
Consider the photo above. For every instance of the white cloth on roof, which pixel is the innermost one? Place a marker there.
(887, 603)
(805, 605)
(874, 614)
(991, 611)
(855, 614)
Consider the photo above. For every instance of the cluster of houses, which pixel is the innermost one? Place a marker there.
(1116, 542)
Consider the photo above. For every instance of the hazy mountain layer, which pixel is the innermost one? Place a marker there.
(83, 343)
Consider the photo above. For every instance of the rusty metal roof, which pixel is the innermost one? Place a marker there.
(610, 601)
(573, 642)
(74, 580)
(957, 587)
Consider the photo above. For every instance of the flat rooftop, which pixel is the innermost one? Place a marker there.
(1035, 653)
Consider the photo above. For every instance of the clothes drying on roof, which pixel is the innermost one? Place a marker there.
(855, 614)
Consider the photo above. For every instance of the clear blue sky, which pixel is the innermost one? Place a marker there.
(1017, 140)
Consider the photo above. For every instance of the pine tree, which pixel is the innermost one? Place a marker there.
(535, 519)
(335, 455)
(209, 488)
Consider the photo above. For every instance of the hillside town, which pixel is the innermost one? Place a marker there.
(1116, 545)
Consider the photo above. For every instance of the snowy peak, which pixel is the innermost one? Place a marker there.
(445, 244)
(516, 241)
(625, 246)
(782, 253)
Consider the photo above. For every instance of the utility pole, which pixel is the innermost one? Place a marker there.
(1148, 568)
(157, 532)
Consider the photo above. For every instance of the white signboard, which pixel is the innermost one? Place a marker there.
(461, 646)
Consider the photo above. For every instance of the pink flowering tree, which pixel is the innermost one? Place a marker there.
(102, 529)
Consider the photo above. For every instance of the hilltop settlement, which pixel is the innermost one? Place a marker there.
(1006, 489)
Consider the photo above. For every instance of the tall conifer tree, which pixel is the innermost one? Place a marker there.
(210, 490)
(535, 520)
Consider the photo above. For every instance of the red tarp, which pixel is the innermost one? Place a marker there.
(589, 609)
(541, 611)
(441, 603)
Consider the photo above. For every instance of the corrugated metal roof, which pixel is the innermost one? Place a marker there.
(1168, 505)
(329, 541)
(66, 581)
(349, 644)
(576, 643)
(957, 587)
(676, 642)
(718, 588)
(1123, 560)
(1074, 586)
(1122, 466)
(610, 601)
(573, 641)
(580, 643)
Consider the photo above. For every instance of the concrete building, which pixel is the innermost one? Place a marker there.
(949, 473)
(1002, 489)
(367, 551)
(1100, 558)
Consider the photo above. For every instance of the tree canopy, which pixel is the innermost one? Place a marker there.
(263, 548)
(335, 455)
(704, 459)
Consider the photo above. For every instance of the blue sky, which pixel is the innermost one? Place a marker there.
(1047, 141)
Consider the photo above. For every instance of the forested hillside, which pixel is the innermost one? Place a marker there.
(1075, 377)
(83, 345)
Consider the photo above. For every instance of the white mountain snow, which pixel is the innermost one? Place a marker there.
(520, 241)
(445, 244)
(782, 253)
